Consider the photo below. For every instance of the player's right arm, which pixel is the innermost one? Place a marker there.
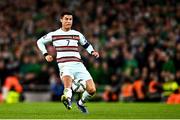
(41, 45)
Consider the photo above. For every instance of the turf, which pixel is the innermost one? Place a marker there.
(99, 110)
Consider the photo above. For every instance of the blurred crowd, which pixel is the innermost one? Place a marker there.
(138, 41)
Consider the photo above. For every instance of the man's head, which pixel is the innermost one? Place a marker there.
(66, 19)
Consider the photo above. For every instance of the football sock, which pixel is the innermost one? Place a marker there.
(85, 97)
(80, 102)
(68, 92)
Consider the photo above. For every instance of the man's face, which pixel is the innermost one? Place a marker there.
(66, 21)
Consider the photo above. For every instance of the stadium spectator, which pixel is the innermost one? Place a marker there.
(126, 92)
(56, 85)
(109, 95)
(174, 98)
(154, 88)
(139, 89)
(169, 85)
(12, 97)
(10, 88)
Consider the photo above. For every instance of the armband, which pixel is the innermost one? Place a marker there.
(86, 45)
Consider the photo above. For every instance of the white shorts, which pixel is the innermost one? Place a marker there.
(76, 70)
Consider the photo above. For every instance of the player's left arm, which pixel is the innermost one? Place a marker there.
(86, 45)
(41, 45)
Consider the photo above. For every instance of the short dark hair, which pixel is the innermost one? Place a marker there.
(65, 13)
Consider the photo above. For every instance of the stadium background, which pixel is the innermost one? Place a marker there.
(138, 40)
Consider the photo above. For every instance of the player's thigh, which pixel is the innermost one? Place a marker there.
(67, 80)
(90, 86)
(66, 75)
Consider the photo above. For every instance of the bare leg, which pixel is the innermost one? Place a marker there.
(90, 91)
(67, 86)
(90, 87)
(67, 81)
(66, 98)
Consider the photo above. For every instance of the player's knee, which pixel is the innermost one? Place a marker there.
(91, 90)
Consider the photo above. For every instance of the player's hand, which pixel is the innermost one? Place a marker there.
(49, 58)
(96, 54)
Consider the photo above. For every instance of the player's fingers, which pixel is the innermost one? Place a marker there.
(49, 58)
(96, 54)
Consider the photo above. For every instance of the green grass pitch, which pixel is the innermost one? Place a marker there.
(98, 110)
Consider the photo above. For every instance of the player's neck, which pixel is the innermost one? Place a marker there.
(65, 29)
